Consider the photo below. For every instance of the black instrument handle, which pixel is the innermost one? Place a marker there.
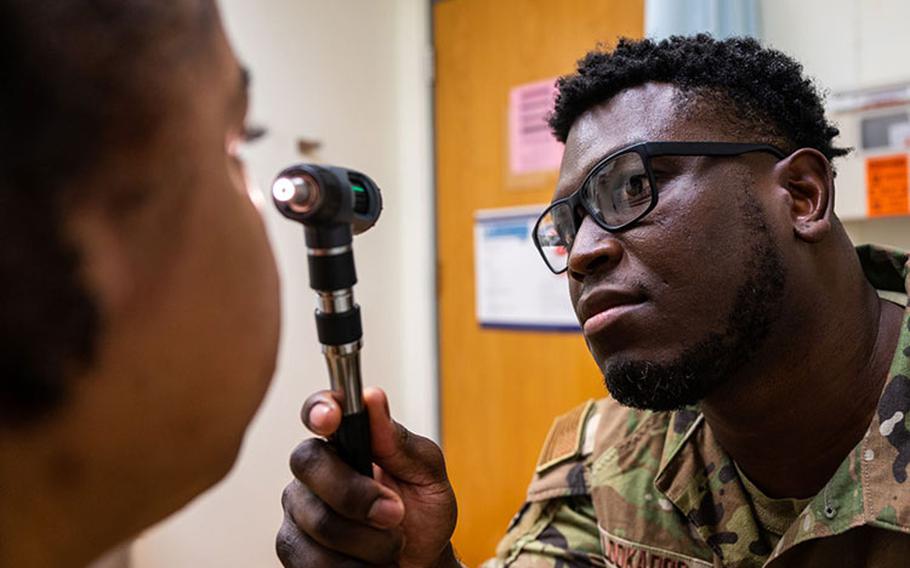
(353, 442)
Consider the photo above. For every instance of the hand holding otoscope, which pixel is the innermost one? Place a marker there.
(331, 513)
(334, 204)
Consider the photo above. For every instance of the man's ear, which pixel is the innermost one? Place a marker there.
(807, 178)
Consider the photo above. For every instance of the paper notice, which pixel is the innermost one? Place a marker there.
(532, 148)
(888, 191)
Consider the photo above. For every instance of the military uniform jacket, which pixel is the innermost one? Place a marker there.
(624, 488)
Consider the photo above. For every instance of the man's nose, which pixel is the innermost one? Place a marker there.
(594, 249)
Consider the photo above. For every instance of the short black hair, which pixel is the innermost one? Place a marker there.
(767, 88)
(81, 82)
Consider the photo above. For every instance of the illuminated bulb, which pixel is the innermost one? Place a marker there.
(283, 189)
(300, 193)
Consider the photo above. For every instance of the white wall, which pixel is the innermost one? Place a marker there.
(845, 45)
(353, 74)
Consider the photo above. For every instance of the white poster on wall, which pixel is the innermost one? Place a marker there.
(514, 288)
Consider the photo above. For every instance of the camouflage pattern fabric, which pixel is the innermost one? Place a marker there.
(775, 515)
(631, 488)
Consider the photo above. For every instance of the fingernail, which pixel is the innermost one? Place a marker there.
(318, 414)
(386, 513)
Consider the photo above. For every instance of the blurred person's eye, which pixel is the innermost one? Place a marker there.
(249, 134)
(235, 148)
(253, 133)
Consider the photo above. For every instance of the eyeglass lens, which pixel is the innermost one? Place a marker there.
(617, 193)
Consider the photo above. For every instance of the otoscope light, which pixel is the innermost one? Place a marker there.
(323, 196)
(299, 192)
(283, 190)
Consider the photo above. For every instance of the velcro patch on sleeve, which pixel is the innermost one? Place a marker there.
(566, 438)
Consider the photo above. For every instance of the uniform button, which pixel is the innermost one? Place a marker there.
(869, 455)
(887, 426)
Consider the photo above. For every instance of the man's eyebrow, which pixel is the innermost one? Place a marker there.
(592, 162)
(596, 160)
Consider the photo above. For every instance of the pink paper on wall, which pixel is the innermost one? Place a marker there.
(532, 148)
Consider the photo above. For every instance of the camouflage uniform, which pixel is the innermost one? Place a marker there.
(620, 487)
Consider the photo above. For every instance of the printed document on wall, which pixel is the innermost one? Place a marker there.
(514, 288)
(532, 147)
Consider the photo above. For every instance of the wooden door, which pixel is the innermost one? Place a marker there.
(500, 389)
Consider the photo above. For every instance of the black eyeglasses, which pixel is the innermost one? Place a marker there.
(618, 191)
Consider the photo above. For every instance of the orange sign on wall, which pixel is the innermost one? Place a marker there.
(887, 189)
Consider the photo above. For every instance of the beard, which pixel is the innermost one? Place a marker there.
(713, 360)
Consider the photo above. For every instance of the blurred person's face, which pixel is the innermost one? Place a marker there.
(188, 292)
(674, 305)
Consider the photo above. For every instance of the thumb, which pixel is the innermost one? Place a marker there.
(321, 413)
(408, 457)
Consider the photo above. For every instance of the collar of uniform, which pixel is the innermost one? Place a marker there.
(885, 268)
(700, 479)
(871, 485)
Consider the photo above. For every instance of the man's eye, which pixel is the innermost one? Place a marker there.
(638, 188)
(637, 185)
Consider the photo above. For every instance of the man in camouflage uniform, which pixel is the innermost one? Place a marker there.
(759, 366)
(640, 488)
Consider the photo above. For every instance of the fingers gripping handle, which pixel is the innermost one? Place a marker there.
(353, 437)
(340, 332)
(353, 442)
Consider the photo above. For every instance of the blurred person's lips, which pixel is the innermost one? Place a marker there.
(601, 307)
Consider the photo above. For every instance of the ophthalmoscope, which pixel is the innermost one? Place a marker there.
(334, 204)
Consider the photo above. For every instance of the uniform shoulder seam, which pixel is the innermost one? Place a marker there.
(565, 440)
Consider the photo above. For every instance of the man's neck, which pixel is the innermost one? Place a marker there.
(789, 425)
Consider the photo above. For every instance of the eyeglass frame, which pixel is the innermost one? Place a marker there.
(646, 151)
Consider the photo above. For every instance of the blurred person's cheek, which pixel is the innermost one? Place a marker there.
(240, 174)
(253, 191)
